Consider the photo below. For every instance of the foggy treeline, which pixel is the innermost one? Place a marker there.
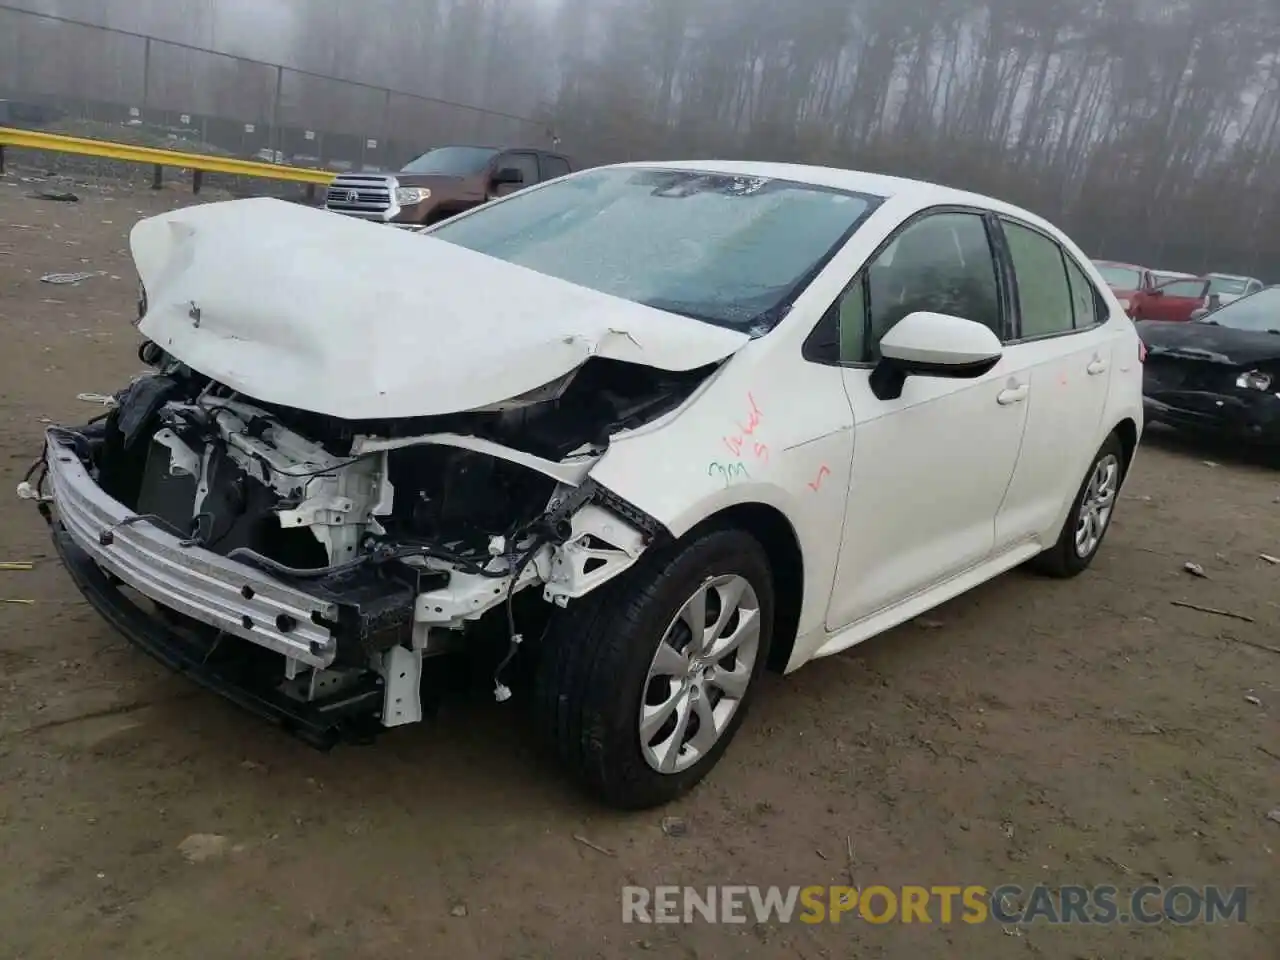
(1150, 129)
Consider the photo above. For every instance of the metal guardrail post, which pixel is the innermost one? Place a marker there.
(1, 159)
(146, 71)
(273, 142)
(157, 177)
(384, 135)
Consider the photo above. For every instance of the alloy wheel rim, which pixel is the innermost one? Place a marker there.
(1097, 505)
(699, 674)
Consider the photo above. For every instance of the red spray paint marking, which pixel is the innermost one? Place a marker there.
(736, 442)
(814, 484)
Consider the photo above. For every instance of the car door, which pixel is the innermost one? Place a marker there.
(524, 161)
(1175, 300)
(1065, 344)
(930, 468)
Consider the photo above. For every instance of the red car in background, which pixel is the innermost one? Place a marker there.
(1126, 280)
(1173, 300)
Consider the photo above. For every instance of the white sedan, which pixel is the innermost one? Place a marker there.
(650, 427)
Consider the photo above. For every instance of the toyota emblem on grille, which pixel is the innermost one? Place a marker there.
(352, 196)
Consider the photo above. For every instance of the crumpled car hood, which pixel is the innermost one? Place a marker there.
(320, 312)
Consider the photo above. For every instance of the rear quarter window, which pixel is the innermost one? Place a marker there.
(1087, 305)
(553, 167)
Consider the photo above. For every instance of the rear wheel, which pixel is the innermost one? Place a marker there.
(1090, 515)
(643, 683)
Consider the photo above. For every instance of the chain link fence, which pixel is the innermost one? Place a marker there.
(65, 76)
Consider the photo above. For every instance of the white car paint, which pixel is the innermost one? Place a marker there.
(1252, 285)
(937, 338)
(896, 505)
(918, 485)
(295, 306)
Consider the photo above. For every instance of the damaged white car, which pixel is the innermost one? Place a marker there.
(657, 427)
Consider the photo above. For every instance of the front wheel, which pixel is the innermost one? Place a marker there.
(642, 684)
(1090, 515)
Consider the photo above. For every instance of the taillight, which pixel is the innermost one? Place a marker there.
(1142, 352)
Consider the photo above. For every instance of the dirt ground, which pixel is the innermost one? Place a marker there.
(1033, 731)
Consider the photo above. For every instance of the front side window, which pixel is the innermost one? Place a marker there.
(1259, 313)
(452, 161)
(940, 264)
(730, 250)
(1044, 293)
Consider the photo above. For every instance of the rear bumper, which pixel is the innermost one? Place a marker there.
(231, 597)
(350, 716)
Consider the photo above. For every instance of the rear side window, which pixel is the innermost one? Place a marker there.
(1044, 294)
(1192, 289)
(553, 167)
(526, 163)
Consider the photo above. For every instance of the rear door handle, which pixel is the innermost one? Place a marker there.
(1013, 395)
(1097, 366)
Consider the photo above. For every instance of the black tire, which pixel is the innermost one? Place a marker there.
(1062, 560)
(593, 667)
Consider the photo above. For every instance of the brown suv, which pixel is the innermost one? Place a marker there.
(442, 182)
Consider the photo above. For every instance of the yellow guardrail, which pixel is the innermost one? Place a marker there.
(110, 150)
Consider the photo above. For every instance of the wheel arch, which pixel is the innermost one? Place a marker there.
(1127, 432)
(771, 527)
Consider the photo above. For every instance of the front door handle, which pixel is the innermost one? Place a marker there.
(1013, 395)
(1097, 366)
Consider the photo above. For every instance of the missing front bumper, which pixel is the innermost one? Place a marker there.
(229, 669)
(229, 596)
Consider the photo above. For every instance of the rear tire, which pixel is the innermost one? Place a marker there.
(636, 711)
(1090, 515)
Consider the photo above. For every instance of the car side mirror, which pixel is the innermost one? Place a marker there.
(508, 176)
(925, 344)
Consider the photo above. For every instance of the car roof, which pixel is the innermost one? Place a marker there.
(1232, 276)
(1118, 263)
(493, 147)
(919, 193)
(1177, 275)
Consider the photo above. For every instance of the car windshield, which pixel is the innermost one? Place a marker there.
(730, 250)
(1119, 278)
(451, 161)
(1228, 285)
(1259, 312)
(1184, 288)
